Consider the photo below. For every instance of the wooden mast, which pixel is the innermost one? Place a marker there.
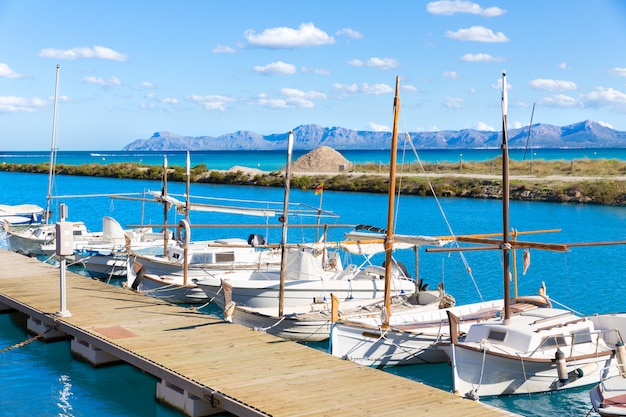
(187, 207)
(390, 206)
(165, 207)
(285, 216)
(506, 247)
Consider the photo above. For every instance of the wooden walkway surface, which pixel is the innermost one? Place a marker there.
(231, 367)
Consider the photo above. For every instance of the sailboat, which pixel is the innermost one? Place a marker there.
(532, 347)
(401, 334)
(296, 301)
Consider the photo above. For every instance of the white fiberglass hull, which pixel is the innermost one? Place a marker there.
(26, 242)
(263, 290)
(414, 335)
(609, 397)
(171, 290)
(104, 266)
(294, 327)
(476, 373)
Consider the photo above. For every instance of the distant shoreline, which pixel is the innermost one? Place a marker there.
(602, 182)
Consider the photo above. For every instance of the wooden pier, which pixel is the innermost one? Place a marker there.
(207, 366)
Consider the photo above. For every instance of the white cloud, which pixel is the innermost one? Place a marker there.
(344, 89)
(147, 84)
(211, 102)
(477, 34)
(409, 88)
(349, 33)
(382, 63)
(110, 82)
(451, 74)
(375, 62)
(619, 72)
(484, 127)
(452, 102)
(283, 37)
(376, 89)
(317, 71)
(552, 85)
(169, 100)
(371, 89)
(294, 93)
(98, 52)
(450, 7)
(12, 104)
(223, 49)
(602, 97)
(480, 58)
(378, 128)
(559, 100)
(563, 65)
(7, 72)
(275, 68)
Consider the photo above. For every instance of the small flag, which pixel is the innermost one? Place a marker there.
(319, 189)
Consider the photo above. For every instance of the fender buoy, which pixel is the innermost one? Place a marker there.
(561, 365)
(183, 232)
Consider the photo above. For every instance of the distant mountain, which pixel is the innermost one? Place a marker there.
(587, 134)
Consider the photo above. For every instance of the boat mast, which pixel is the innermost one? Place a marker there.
(187, 207)
(53, 149)
(283, 242)
(390, 206)
(165, 207)
(506, 246)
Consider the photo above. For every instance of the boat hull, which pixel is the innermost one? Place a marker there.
(170, 291)
(290, 327)
(415, 336)
(264, 292)
(609, 397)
(479, 373)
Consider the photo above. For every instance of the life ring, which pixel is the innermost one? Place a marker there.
(183, 232)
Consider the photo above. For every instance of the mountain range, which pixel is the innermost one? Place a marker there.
(586, 134)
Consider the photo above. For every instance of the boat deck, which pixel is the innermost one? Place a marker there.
(223, 366)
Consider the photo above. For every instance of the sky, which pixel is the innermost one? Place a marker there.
(208, 68)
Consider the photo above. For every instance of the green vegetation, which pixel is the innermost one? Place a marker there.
(579, 181)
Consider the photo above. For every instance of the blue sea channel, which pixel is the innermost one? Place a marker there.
(42, 379)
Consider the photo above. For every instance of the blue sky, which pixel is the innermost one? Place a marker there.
(195, 68)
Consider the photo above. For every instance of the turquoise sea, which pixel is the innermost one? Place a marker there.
(42, 379)
(275, 160)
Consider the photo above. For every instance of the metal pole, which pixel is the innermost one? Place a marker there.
(63, 312)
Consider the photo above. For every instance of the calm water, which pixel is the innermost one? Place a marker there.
(588, 279)
(275, 160)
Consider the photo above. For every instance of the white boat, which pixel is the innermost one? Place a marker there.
(405, 335)
(172, 278)
(296, 301)
(107, 257)
(313, 322)
(40, 241)
(608, 398)
(307, 280)
(413, 336)
(21, 215)
(525, 350)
